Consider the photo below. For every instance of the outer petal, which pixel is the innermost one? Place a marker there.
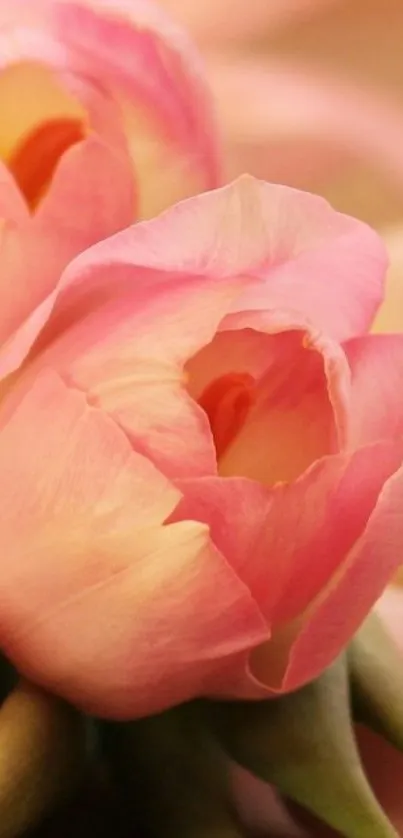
(80, 209)
(141, 60)
(12, 205)
(299, 548)
(91, 197)
(376, 363)
(122, 335)
(156, 306)
(319, 265)
(17, 267)
(151, 68)
(163, 287)
(305, 259)
(346, 600)
(99, 601)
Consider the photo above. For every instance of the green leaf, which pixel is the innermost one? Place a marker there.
(174, 774)
(304, 744)
(376, 678)
(42, 746)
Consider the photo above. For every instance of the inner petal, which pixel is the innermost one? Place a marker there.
(35, 158)
(227, 401)
(40, 120)
(267, 401)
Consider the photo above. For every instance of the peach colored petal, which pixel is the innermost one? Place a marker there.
(352, 591)
(295, 416)
(142, 57)
(318, 266)
(291, 423)
(99, 601)
(138, 59)
(122, 334)
(155, 59)
(91, 197)
(80, 209)
(13, 208)
(178, 277)
(39, 74)
(288, 542)
(376, 363)
(17, 347)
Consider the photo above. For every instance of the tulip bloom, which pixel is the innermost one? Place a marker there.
(107, 92)
(201, 457)
(113, 122)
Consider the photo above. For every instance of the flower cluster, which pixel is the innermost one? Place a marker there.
(201, 443)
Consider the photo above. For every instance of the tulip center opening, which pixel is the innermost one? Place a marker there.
(34, 160)
(227, 401)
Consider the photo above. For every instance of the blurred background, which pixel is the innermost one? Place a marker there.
(310, 93)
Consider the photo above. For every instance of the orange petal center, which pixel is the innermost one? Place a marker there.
(227, 402)
(34, 160)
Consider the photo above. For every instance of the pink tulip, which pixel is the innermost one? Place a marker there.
(200, 457)
(113, 122)
(110, 99)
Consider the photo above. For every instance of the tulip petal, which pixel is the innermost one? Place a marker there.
(80, 209)
(91, 197)
(320, 266)
(292, 423)
(99, 601)
(376, 363)
(348, 597)
(20, 266)
(298, 401)
(151, 69)
(301, 256)
(128, 350)
(13, 208)
(179, 276)
(110, 351)
(300, 536)
(32, 73)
